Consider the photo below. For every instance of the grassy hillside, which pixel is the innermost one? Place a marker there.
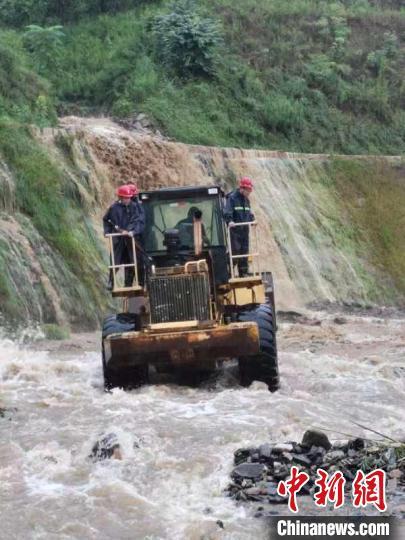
(372, 196)
(46, 230)
(307, 75)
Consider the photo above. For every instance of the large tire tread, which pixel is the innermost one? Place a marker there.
(131, 376)
(263, 366)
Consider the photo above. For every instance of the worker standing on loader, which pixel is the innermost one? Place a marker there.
(237, 210)
(139, 237)
(127, 217)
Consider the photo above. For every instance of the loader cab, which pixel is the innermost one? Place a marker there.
(169, 238)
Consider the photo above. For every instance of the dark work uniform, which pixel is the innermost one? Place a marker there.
(237, 209)
(129, 218)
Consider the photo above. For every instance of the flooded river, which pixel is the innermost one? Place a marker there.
(178, 442)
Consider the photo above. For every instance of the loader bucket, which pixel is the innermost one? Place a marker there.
(181, 345)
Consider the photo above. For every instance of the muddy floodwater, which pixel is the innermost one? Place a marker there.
(178, 442)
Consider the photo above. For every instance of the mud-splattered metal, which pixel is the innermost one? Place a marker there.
(181, 345)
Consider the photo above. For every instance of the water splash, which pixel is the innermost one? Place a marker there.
(177, 442)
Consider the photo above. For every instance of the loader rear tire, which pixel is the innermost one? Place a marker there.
(263, 366)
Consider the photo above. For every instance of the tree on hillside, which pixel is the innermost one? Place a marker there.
(22, 12)
(44, 44)
(19, 13)
(187, 41)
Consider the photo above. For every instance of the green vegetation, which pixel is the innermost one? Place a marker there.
(44, 194)
(24, 95)
(25, 12)
(304, 75)
(186, 41)
(373, 195)
(45, 45)
(55, 332)
(7, 299)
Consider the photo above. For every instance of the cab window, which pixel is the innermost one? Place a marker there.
(178, 214)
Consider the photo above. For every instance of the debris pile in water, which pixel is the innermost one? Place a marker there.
(108, 446)
(7, 413)
(259, 470)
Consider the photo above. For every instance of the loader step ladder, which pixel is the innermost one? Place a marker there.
(127, 292)
(122, 291)
(249, 281)
(253, 257)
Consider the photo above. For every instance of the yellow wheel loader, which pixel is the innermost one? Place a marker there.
(188, 309)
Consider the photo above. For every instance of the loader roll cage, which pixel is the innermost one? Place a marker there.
(170, 209)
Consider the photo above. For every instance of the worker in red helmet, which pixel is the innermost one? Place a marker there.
(126, 217)
(135, 191)
(238, 210)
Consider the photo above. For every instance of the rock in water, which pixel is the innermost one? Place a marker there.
(265, 451)
(7, 413)
(105, 448)
(317, 451)
(335, 456)
(241, 455)
(301, 460)
(315, 438)
(248, 470)
(356, 444)
(340, 320)
(284, 447)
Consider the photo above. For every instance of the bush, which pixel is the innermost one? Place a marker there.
(186, 41)
(281, 113)
(55, 332)
(378, 61)
(122, 108)
(23, 12)
(19, 13)
(45, 46)
(23, 94)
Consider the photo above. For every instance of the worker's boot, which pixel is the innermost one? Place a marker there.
(129, 277)
(243, 268)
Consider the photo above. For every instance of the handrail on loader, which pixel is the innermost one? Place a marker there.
(252, 256)
(115, 267)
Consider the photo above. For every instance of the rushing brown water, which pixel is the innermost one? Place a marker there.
(177, 442)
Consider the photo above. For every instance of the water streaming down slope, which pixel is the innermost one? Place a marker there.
(306, 234)
(304, 229)
(304, 218)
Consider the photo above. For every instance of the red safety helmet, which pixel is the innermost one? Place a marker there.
(246, 183)
(135, 190)
(125, 192)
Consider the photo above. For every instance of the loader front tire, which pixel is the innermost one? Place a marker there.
(264, 365)
(126, 377)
